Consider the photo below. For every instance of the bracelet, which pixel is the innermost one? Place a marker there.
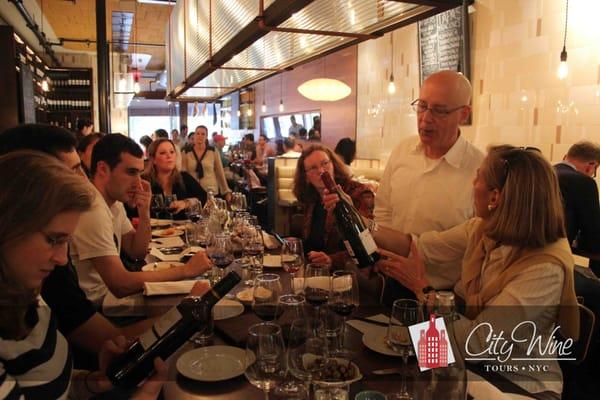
(372, 225)
(87, 384)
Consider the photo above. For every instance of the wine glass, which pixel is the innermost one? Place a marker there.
(292, 256)
(253, 251)
(219, 251)
(343, 299)
(265, 357)
(317, 285)
(405, 312)
(169, 198)
(157, 205)
(193, 211)
(267, 289)
(307, 349)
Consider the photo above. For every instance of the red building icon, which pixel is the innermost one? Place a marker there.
(433, 346)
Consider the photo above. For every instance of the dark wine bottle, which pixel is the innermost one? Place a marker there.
(357, 237)
(167, 335)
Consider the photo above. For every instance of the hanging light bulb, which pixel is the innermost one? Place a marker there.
(136, 87)
(281, 108)
(563, 67)
(239, 114)
(45, 86)
(391, 86)
(249, 112)
(122, 85)
(263, 108)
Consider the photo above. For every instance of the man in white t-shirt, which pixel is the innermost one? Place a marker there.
(427, 183)
(102, 232)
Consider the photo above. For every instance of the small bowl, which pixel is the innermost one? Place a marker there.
(370, 395)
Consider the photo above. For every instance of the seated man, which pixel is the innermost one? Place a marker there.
(101, 233)
(580, 196)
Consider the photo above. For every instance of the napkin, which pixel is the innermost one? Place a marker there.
(128, 306)
(270, 260)
(166, 242)
(366, 328)
(167, 257)
(270, 241)
(321, 282)
(171, 287)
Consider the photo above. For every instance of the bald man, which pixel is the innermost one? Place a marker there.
(427, 182)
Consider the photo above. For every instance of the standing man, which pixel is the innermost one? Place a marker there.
(101, 233)
(426, 184)
(295, 128)
(220, 142)
(580, 196)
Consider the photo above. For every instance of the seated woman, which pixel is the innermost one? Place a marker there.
(36, 225)
(204, 163)
(512, 265)
(322, 240)
(165, 179)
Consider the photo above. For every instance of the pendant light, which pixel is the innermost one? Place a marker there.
(281, 107)
(391, 85)
(263, 108)
(324, 89)
(563, 68)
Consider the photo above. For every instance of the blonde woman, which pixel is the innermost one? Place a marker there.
(40, 204)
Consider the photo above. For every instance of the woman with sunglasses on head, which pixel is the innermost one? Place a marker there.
(40, 204)
(322, 240)
(166, 179)
(511, 265)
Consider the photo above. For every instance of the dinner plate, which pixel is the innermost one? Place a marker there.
(212, 363)
(169, 232)
(376, 341)
(160, 266)
(226, 309)
(271, 261)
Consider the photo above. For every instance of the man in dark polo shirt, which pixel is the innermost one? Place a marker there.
(77, 317)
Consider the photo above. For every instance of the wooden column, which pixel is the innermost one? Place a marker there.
(9, 100)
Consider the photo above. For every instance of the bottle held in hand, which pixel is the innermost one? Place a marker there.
(357, 237)
(167, 335)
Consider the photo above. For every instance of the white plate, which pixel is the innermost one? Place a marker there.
(245, 296)
(212, 363)
(376, 342)
(160, 222)
(160, 266)
(169, 232)
(226, 309)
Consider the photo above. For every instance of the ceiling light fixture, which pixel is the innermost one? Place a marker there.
(281, 107)
(391, 85)
(563, 68)
(324, 89)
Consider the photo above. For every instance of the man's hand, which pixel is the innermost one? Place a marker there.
(409, 271)
(198, 264)
(141, 199)
(319, 257)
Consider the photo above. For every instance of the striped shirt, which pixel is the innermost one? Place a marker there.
(38, 366)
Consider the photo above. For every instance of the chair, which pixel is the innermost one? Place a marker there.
(281, 200)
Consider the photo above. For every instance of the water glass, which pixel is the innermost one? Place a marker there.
(265, 357)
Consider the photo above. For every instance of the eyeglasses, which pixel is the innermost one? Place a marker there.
(57, 241)
(510, 156)
(439, 112)
(316, 168)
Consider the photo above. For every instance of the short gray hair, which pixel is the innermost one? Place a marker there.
(584, 151)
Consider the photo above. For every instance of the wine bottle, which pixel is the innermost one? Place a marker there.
(167, 335)
(357, 237)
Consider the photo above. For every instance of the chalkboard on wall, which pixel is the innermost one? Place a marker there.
(442, 43)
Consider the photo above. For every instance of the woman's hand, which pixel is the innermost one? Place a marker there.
(331, 199)
(177, 206)
(197, 265)
(98, 382)
(409, 271)
(319, 257)
(227, 197)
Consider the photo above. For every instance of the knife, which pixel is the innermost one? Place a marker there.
(387, 371)
(370, 321)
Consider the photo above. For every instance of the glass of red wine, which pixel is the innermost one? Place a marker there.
(292, 256)
(343, 299)
(317, 285)
(219, 251)
(265, 297)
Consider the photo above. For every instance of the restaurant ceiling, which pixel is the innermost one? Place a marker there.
(216, 47)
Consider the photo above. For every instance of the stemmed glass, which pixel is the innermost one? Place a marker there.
(292, 256)
(253, 251)
(307, 349)
(219, 251)
(405, 312)
(317, 285)
(265, 297)
(265, 357)
(193, 211)
(238, 202)
(343, 299)
(157, 205)
(169, 198)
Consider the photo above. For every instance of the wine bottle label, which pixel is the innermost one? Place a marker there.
(349, 249)
(367, 240)
(160, 328)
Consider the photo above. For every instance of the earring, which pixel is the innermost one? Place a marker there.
(490, 207)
